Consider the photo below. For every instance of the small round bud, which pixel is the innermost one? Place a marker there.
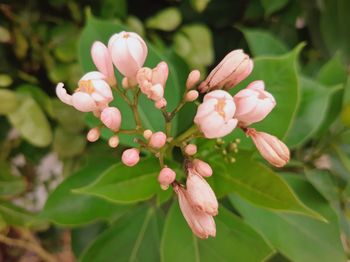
(202, 168)
(192, 79)
(166, 177)
(147, 134)
(191, 96)
(93, 134)
(157, 140)
(113, 141)
(160, 103)
(111, 118)
(131, 157)
(191, 149)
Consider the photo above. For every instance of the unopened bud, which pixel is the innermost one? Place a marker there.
(147, 134)
(93, 134)
(193, 79)
(157, 140)
(166, 177)
(113, 141)
(191, 95)
(202, 168)
(131, 157)
(191, 149)
(111, 118)
(160, 103)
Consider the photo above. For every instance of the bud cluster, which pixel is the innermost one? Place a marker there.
(217, 115)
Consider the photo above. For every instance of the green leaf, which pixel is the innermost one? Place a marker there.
(123, 184)
(196, 53)
(30, 121)
(199, 5)
(312, 111)
(301, 239)
(10, 185)
(233, 242)
(5, 80)
(150, 116)
(263, 42)
(66, 208)
(272, 6)
(167, 19)
(258, 184)
(333, 72)
(8, 101)
(16, 216)
(135, 237)
(281, 80)
(67, 144)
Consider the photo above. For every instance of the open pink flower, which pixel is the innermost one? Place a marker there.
(215, 115)
(93, 93)
(103, 61)
(201, 223)
(128, 51)
(270, 147)
(200, 194)
(253, 103)
(235, 67)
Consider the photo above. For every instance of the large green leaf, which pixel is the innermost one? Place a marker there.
(66, 208)
(151, 117)
(167, 19)
(8, 101)
(31, 122)
(123, 184)
(296, 237)
(315, 101)
(258, 184)
(263, 42)
(234, 241)
(280, 76)
(135, 237)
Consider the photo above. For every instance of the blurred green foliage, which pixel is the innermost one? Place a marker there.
(301, 49)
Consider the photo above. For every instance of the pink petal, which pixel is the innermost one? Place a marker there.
(61, 92)
(83, 102)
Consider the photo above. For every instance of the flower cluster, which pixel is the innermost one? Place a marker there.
(217, 115)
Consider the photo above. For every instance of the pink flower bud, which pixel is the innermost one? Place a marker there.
(193, 79)
(200, 194)
(156, 92)
(157, 140)
(270, 147)
(160, 74)
(234, 68)
(111, 118)
(201, 223)
(166, 177)
(202, 168)
(191, 149)
(160, 103)
(215, 115)
(113, 141)
(93, 135)
(103, 61)
(92, 94)
(253, 104)
(147, 134)
(131, 157)
(128, 51)
(191, 96)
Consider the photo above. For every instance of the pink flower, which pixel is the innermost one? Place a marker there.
(128, 51)
(152, 81)
(234, 68)
(200, 194)
(111, 118)
(215, 115)
(157, 140)
(131, 157)
(103, 61)
(166, 177)
(270, 147)
(92, 94)
(253, 103)
(201, 224)
(191, 149)
(202, 168)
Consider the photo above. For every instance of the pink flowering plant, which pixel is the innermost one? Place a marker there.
(181, 138)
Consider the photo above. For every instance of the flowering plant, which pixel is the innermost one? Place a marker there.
(217, 116)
